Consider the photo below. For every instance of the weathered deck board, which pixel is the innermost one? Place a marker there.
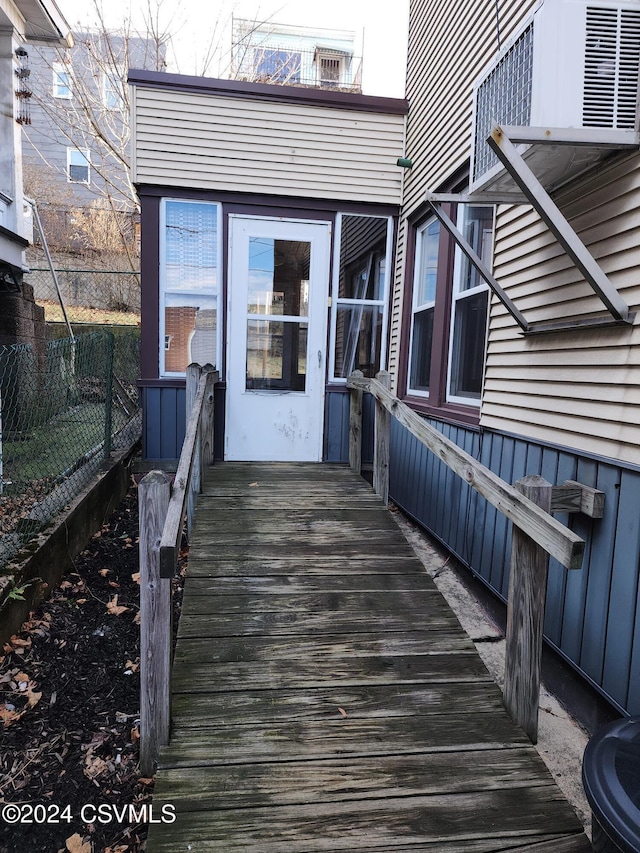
(325, 697)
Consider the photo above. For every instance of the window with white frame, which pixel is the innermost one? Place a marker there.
(359, 303)
(423, 308)
(113, 88)
(62, 80)
(470, 305)
(447, 331)
(190, 235)
(78, 166)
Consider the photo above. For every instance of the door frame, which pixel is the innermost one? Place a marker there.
(319, 322)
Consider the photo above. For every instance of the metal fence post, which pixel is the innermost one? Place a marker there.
(108, 391)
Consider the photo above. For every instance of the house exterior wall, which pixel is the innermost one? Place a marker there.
(579, 389)
(450, 42)
(561, 405)
(275, 139)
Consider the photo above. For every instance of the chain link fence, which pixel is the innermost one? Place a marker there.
(62, 412)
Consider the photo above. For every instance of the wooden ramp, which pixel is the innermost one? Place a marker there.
(326, 698)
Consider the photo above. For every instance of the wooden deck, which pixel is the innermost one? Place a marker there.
(324, 694)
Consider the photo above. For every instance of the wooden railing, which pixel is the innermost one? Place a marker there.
(162, 509)
(536, 533)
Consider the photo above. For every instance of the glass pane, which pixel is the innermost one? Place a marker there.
(191, 247)
(276, 355)
(278, 277)
(476, 225)
(421, 345)
(363, 241)
(189, 334)
(469, 337)
(358, 339)
(424, 290)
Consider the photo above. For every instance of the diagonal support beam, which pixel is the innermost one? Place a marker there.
(511, 159)
(477, 262)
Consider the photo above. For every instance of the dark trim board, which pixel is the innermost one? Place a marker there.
(269, 92)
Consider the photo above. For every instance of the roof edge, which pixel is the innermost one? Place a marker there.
(268, 92)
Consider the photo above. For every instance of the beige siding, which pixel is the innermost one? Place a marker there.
(450, 43)
(211, 141)
(579, 389)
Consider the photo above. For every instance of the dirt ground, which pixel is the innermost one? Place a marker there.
(69, 705)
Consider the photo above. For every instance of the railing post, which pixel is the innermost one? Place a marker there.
(382, 441)
(155, 622)
(194, 371)
(525, 615)
(207, 422)
(355, 425)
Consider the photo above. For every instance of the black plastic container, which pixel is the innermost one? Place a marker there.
(611, 778)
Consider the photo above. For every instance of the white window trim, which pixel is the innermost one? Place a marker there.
(458, 295)
(57, 69)
(191, 297)
(337, 301)
(87, 155)
(113, 83)
(424, 306)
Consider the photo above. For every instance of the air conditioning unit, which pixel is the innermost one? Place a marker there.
(574, 64)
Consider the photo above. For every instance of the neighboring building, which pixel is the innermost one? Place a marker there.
(295, 56)
(523, 348)
(76, 144)
(22, 25)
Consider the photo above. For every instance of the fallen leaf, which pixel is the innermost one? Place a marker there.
(94, 766)
(75, 844)
(135, 577)
(134, 667)
(114, 608)
(104, 572)
(253, 485)
(135, 735)
(137, 618)
(343, 712)
(81, 600)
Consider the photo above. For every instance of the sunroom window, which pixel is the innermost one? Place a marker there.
(189, 285)
(360, 288)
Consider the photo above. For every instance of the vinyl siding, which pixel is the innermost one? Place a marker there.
(195, 139)
(450, 43)
(579, 389)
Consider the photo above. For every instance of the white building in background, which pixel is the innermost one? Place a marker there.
(295, 56)
(22, 23)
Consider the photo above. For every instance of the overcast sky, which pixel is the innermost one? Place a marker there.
(381, 26)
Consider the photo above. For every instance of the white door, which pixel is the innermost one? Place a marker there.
(276, 339)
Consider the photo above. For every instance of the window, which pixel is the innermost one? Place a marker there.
(189, 284)
(78, 170)
(330, 68)
(272, 65)
(449, 310)
(470, 305)
(424, 300)
(113, 88)
(359, 315)
(62, 80)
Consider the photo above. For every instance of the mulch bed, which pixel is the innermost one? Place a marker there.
(69, 707)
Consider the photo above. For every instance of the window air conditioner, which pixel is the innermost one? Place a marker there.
(574, 64)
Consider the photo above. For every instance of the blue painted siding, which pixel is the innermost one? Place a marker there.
(593, 614)
(163, 422)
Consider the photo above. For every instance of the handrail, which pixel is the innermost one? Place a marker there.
(162, 513)
(555, 538)
(187, 467)
(535, 536)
